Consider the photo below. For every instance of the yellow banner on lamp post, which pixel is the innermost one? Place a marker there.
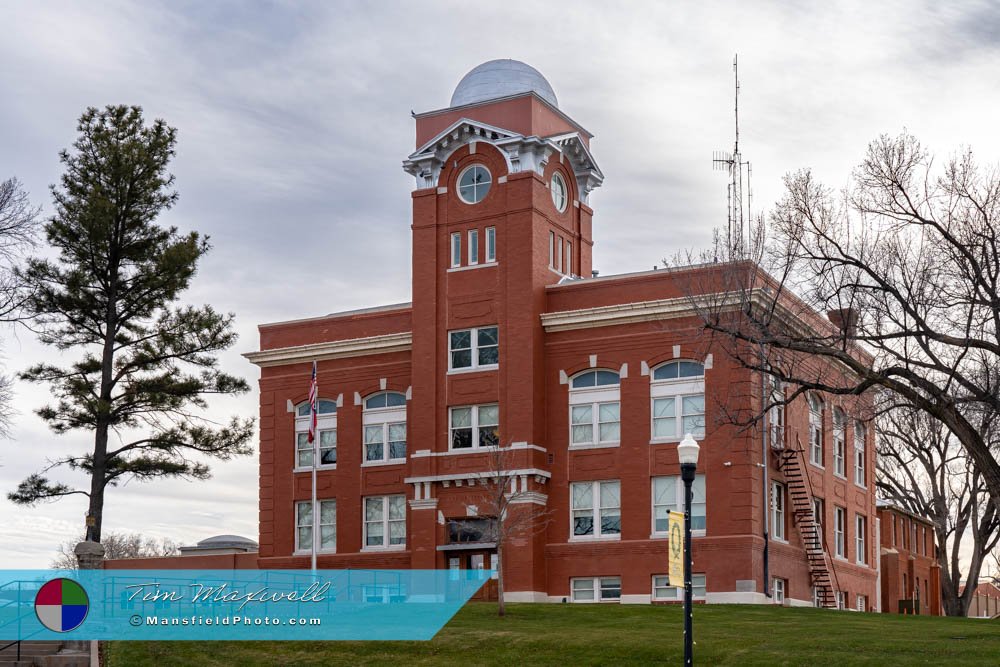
(675, 528)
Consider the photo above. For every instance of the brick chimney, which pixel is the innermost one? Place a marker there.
(845, 319)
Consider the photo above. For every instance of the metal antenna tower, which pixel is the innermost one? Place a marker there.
(737, 217)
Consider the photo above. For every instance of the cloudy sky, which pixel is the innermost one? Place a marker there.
(293, 119)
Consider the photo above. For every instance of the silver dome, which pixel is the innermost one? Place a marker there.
(500, 78)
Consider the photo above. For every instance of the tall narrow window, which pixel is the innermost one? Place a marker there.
(778, 511)
(559, 255)
(596, 509)
(860, 476)
(384, 420)
(327, 526)
(552, 250)
(569, 259)
(594, 409)
(818, 512)
(473, 247)
(840, 531)
(815, 429)
(456, 249)
(326, 427)
(776, 415)
(491, 244)
(839, 442)
(860, 530)
(677, 391)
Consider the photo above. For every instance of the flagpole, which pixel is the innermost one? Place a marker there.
(315, 457)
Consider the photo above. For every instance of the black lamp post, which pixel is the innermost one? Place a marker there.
(687, 453)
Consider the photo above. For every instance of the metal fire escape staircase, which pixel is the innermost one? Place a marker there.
(791, 461)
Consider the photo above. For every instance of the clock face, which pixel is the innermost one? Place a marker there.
(558, 189)
(474, 183)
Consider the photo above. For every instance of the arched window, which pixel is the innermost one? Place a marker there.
(384, 421)
(677, 392)
(816, 408)
(326, 432)
(595, 409)
(839, 443)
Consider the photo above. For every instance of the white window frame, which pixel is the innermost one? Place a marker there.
(594, 398)
(568, 267)
(678, 503)
(552, 250)
(325, 423)
(563, 190)
(475, 425)
(862, 603)
(598, 585)
(816, 408)
(819, 511)
(473, 350)
(491, 245)
(385, 522)
(676, 593)
(778, 511)
(559, 254)
(860, 463)
(487, 184)
(676, 389)
(778, 590)
(320, 502)
(596, 510)
(860, 541)
(473, 247)
(842, 600)
(456, 249)
(839, 443)
(386, 418)
(840, 532)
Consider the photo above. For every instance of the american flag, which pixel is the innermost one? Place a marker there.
(313, 400)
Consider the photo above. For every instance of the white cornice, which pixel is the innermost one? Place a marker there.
(338, 349)
(478, 475)
(640, 311)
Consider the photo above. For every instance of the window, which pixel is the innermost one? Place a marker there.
(552, 250)
(326, 430)
(842, 600)
(820, 523)
(862, 603)
(475, 426)
(568, 270)
(384, 421)
(596, 509)
(839, 446)
(474, 184)
(559, 254)
(860, 478)
(491, 244)
(840, 531)
(474, 348)
(473, 247)
(677, 390)
(860, 531)
(456, 249)
(776, 417)
(596, 589)
(893, 522)
(778, 591)
(668, 496)
(815, 430)
(558, 192)
(385, 521)
(778, 511)
(472, 530)
(664, 592)
(327, 526)
(594, 411)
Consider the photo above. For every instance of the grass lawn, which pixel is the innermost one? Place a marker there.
(565, 634)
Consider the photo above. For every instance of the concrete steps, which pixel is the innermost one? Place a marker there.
(47, 654)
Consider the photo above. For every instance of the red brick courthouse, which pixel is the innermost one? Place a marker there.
(511, 339)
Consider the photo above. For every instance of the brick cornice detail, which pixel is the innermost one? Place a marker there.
(338, 349)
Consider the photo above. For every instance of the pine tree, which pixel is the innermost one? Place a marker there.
(112, 292)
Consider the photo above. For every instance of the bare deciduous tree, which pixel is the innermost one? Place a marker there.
(118, 546)
(905, 260)
(924, 470)
(517, 513)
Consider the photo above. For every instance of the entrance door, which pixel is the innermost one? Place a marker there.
(478, 561)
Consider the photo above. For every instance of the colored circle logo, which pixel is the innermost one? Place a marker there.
(61, 605)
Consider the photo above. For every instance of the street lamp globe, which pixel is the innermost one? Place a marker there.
(687, 450)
